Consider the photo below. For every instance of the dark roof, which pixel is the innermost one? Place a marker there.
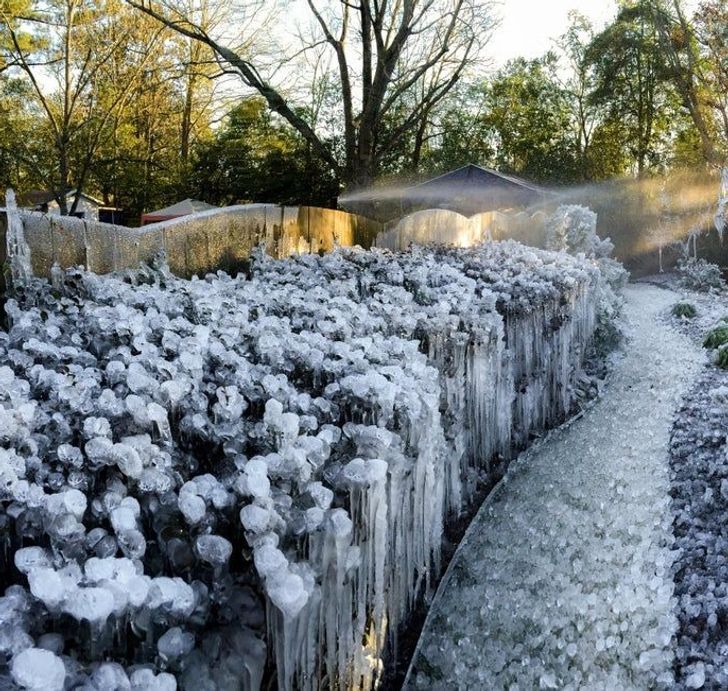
(468, 190)
(472, 189)
(472, 175)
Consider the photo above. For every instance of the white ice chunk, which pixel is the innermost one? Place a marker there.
(696, 679)
(96, 427)
(269, 560)
(171, 594)
(138, 588)
(321, 495)
(121, 569)
(256, 482)
(193, 508)
(111, 675)
(128, 460)
(146, 680)
(75, 502)
(288, 594)
(38, 670)
(47, 586)
(255, 518)
(26, 558)
(92, 604)
(175, 643)
(123, 518)
(213, 549)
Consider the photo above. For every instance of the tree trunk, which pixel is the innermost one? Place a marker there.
(63, 182)
(185, 134)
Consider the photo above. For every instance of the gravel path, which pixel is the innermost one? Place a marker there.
(564, 577)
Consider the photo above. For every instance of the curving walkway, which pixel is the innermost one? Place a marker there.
(563, 578)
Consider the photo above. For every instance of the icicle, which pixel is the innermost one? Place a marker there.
(721, 214)
(17, 248)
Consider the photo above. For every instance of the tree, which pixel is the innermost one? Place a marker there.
(139, 164)
(16, 128)
(458, 133)
(386, 54)
(81, 62)
(146, 157)
(710, 30)
(256, 157)
(686, 67)
(631, 82)
(12, 11)
(579, 85)
(529, 115)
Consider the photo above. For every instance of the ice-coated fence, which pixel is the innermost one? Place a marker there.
(422, 227)
(225, 238)
(219, 238)
(265, 464)
(452, 228)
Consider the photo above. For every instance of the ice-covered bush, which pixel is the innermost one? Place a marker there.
(717, 336)
(700, 275)
(684, 310)
(573, 229)
(200, 476)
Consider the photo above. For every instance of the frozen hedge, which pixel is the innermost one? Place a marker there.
(206, 482)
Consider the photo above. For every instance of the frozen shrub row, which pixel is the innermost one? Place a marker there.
(208, 482)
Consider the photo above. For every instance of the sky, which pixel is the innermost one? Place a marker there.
(529, 27)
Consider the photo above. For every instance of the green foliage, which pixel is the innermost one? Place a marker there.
(530, 121)
(609, 156)
(463, 133)
(528, 114)
(711, 26)
(716, 337)
(631, 82)
(10, 13)
(684, 310)
(606, 105)
(17, 134)
(256, 158)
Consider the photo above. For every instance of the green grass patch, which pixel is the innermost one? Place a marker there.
(716, 337)
(684, 309)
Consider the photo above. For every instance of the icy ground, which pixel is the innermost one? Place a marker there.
(564, 577)
(699, 477)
